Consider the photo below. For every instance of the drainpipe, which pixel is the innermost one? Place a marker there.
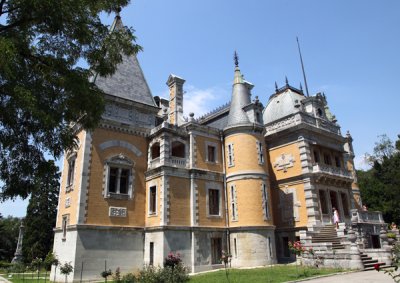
(225, 193)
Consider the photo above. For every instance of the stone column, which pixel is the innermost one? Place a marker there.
(355, 257)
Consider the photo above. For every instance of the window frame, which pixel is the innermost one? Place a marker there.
(64, 225)
(260, 152)
(152, 211)
(230, 155)
(265, 201)
(119, 162)
(71, 161)
(234, 208)
(218, 188)
(215, 154)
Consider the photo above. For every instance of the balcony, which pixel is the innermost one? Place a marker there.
(332, 172)
(172, 161)
(373, 217)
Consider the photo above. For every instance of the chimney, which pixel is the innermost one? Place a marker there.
(175, 113)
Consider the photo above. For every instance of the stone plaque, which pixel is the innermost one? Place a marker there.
(117, 212)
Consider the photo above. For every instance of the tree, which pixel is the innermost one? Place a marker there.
(42, 88)
(380, 186)
(9, 231)
(41, 215)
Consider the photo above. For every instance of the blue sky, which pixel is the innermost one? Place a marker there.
(351, 51)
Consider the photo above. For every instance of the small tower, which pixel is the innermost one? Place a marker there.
(250, 218)
(356, 202)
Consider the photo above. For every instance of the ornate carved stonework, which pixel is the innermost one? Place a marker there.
(127, 115)
(117, 211)
(283, 162)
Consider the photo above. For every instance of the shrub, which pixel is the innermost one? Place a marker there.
(5, 265)
(172, 259)
(128, 278)
(391, 235)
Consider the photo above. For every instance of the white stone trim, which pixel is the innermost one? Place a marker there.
(230, 154)
(119, 143)
(233, 196)
(260, 152)
(265, 201)
(122, 162)
(156, 207)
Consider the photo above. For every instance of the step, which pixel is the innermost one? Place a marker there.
(369, 261)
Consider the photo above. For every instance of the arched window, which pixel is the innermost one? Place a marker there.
(155, 150)
(71, 172)
(178, 149)
(119, 177)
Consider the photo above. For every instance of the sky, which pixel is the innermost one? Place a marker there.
(350, 49)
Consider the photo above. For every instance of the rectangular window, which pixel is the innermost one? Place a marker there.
(211, 153)
(337, 161)
(151, 250)
(233, 203)
(213, 201)
(152, 199)
(265, 201)
(230, 155)
(71, 171)
(235, 246)
(64, 226)
(112, 181)
(316, 156)
(327, 159)
(322, 200)
(216, 250)
(260, 153)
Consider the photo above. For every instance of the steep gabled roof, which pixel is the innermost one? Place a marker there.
(128, 81)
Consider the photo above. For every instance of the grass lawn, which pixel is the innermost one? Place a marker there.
(281, 273)
(26, 277)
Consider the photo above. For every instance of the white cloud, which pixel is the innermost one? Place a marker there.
(360, 163)
(202, 101)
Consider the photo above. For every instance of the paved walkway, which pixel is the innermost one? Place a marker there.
(371, 276)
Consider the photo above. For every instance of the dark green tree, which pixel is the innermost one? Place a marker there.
(41, 215)
(380, 186)
(42, 88)
(9, 231)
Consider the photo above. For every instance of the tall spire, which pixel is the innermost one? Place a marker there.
(240, 97)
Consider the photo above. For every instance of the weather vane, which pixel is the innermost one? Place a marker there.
(236, 58)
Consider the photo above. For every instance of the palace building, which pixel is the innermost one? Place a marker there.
(245, 178)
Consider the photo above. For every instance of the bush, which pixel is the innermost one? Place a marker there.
(175, 274)
(172, 259)
(391, 235)
(128, 278)
(5, 265)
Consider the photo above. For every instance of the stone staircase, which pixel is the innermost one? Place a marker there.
(328, 235)
(369, 262)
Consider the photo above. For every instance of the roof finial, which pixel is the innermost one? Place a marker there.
(286, 81)
(301, 87)
(276, 87)
(236, 58)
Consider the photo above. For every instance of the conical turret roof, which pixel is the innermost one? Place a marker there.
(240, 98)
(128, 81)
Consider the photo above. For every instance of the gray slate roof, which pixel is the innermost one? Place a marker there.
(240, 98)
(128, 81)
(281, 105)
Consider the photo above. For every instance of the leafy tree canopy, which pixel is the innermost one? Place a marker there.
(380, 186)
(42, 89)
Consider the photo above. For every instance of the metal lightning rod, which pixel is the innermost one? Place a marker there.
(302, 67)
